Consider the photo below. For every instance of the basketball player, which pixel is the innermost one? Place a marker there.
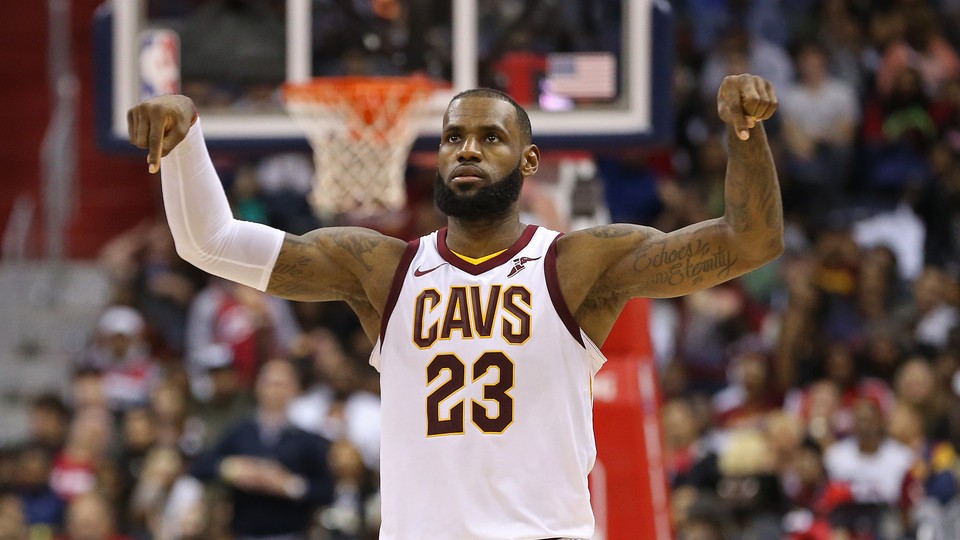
(487, 331)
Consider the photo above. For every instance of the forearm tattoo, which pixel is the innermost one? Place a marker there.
(752, 193)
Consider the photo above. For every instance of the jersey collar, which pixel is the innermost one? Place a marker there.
(477, 269)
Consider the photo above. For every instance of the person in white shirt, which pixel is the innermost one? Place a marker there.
(873, 464)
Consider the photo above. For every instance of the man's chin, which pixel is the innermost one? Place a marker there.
(480, 200)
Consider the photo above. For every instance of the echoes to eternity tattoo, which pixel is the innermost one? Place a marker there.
(688, 262)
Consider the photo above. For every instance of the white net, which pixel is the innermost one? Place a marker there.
(361, 135)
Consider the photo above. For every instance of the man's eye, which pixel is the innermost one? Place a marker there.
(453, 138)
(493, 138)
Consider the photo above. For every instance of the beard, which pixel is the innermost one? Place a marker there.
(486, 203)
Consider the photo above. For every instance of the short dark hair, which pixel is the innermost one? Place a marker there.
(522, 118)
(51, 402)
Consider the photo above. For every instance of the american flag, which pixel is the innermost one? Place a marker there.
(590, 75)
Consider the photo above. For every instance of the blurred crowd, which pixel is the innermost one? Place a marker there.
(815, 398)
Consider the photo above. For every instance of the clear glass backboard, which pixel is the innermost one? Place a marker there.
(589, 72)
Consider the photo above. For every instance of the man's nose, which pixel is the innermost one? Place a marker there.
(469, 150)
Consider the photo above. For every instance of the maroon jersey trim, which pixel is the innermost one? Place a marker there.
(477, 269)
(397, 284)
(556, 296)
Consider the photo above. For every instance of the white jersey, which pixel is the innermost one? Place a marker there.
(486, 383)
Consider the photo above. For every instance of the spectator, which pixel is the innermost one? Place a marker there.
(749, 485)
(123, 357)
(898, 131)
(12, 521)
(168, 405)
(873, 464)
(739, 52)
(811, 497)
(689, 460)
(148, 499)
(714, 318)
(138, 434)
(148, 274)
(922, 47)
(750, 394)
(933, 311)
(75, 468)
(87, 391)
(915, 387)
(42, 508)
(819, 123)
(278, 474)
(879, 284)
(285, 182)
(350, 516)
(336, 407)
(48, 420)
(218, 398)
(253, 324)
(186, 515)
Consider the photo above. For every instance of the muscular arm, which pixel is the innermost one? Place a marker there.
(351, 264)
(337, 263)
(614, 263)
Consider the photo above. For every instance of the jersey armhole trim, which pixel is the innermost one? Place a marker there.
(398, 277)
(556, 295)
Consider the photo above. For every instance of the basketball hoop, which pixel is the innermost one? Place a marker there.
(361, 133)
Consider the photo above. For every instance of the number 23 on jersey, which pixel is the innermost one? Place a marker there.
(449, 418)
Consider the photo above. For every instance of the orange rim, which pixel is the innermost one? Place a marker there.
(335, 90)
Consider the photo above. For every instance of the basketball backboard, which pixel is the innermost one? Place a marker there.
(590, 72)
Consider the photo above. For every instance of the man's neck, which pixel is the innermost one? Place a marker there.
(480, 238)
(869, 445)
(272, 419)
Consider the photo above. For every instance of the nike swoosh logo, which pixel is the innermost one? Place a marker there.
(419, 273)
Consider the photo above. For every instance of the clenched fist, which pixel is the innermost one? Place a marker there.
(159, 124)
(744, 100)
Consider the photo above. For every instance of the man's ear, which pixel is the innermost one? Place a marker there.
(531, 160)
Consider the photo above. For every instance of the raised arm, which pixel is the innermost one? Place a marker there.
(627, 261)
(351, 264)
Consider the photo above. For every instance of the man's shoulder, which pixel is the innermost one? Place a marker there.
(304, 438)
(896, 451)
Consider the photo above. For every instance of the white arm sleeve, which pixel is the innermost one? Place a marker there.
(203, 227)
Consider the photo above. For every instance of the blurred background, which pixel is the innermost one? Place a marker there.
(815, 398)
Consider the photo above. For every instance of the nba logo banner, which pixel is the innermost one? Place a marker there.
(159, 63)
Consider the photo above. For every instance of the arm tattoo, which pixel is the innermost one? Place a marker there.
(612, 231)
(739, 216)
(357, 246)
(752, 193)
(292, 274)
(685, 263)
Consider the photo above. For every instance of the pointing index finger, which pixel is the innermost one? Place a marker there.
(158, 127)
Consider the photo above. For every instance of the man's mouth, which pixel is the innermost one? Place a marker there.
(465, 179)
(466, 175)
